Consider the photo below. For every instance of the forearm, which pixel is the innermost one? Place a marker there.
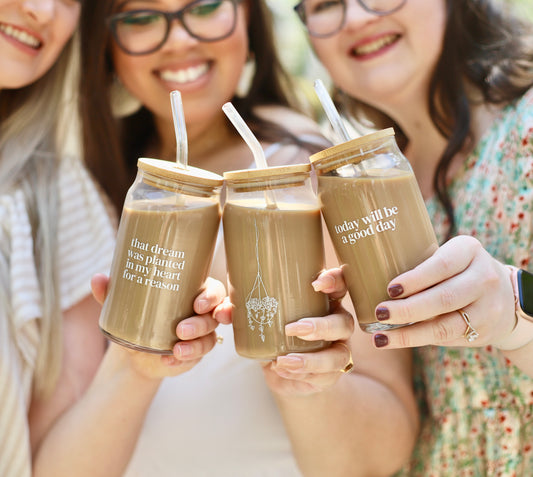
(97, 436)
(521, 342)
(357, 428)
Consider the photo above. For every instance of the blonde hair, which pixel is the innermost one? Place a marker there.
(30, 153)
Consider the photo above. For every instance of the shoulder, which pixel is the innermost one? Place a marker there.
(304, 128)
(293, 121)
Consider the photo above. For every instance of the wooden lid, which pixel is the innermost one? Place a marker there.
(348, 147)
(266, 173)
(173, 171)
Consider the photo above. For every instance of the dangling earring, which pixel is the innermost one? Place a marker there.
(247, 76)
(123, 103)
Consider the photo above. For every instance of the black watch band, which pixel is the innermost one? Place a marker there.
(524, 282)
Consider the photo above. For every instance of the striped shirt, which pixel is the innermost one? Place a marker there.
(86, 238)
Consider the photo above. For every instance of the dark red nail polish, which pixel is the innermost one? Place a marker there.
(382, 313)
(395, 290)
(381, 341)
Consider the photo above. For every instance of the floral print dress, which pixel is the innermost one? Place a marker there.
(477, 407)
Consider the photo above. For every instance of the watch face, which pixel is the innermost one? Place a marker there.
(525, 291)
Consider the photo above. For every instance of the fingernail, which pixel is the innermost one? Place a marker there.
(186, 331)
(382, 313)
(381, 340)
(323, 283)
(202, 306)
(395, 290)
(184, 349)
(299, 328)
(290, 362)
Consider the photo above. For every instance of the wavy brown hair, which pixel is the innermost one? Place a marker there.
(112, 146)
(485, 46)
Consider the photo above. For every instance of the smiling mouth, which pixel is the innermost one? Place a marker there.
(372, 47)
(185, 75)
(21, 36)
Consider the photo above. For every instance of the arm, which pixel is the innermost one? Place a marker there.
(97, 434)
(342, 424)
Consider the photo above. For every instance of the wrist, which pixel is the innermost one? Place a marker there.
(522, 332)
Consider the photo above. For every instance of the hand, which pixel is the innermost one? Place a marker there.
(308, 373)
(197, 334)
(461, 275)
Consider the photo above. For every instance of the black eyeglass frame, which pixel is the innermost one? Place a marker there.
(299, 8)
(112, 20)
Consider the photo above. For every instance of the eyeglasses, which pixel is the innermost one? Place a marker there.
(140, 32)
(324, 18)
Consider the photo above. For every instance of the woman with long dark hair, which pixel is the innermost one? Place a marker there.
(455, 80)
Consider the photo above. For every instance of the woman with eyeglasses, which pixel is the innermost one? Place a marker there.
(455, 80)
(220, 415)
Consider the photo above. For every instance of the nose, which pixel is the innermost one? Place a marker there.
(178, 36)
(356, 15)
(41, 11)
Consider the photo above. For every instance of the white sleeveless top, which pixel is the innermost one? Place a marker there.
(218, 419)
(86, 238)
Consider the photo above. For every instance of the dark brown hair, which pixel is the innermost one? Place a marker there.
(484, 46)
(111, 146)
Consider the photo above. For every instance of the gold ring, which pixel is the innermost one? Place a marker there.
(349, 365)
(220, 339)
(470, 333)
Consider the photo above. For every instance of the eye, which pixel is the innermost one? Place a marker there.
(318, 6)
(140, 18)
(204, 9)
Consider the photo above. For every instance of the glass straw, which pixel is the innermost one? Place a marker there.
(331, 111)
(257, 151)
(179, 128)
(335, 118)
(247, 135)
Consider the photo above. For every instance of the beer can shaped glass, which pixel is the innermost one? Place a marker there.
(165, 245)
(375, 215)
(274, 250)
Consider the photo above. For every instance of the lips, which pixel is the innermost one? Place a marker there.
(184, 75)
(375, 46)
(20, 36)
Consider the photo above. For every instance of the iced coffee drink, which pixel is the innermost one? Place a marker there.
(375, 215)
(274, 250)
(165, 244)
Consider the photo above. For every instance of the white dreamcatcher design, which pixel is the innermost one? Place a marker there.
(260, 307)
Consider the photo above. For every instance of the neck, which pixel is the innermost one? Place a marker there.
(217, 147)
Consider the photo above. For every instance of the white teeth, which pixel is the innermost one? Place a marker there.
(20, 36)
(375, 45)
(185, 75)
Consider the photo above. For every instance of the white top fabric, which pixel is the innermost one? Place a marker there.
(217, 420)
(86, 238)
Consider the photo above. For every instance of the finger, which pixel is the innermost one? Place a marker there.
(450, 259)
(211, 296)
(331, 360)
(222, 312)
(337, 326)
(99, 284)
(445, 330)
(194, 349)
(195, 327)
(331, 282)
(450, 295)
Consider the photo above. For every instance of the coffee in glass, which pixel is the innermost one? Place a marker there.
(165, 245)
(375, 215)
(274, 251)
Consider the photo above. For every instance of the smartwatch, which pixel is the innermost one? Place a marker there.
(524, 284)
